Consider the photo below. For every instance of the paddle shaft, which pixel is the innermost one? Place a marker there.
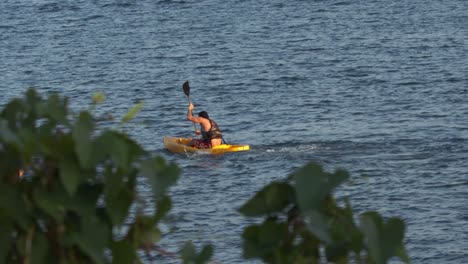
(194, 125)
(186, 88)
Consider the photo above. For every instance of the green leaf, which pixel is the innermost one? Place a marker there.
(313, 185)
(371, 224)
(20, 241)
(10, 162)
(93, 238)
(82, 132)
(29, 142)
(6, 234)
(385, 240)
(85, 200)
(402, 254)
(337, 253)
(32, 99)
(317, 223)
(143, 232)
(51, 203)
(132, 112)
(163, 205)
(306, 260)
(119, 193)
(56, 145)
(273, 198)
(263, 240)
(12, 204)
(70, 175)
(189, 254)
(55, 109)
(39, 248)
(11, 112)
(160, 175)
(114, 180)
(205, 254)
(119, 147)
(118, 205)
(152, 236)
(108, 145)
(6, 134)
(393, 235)
(123, 252)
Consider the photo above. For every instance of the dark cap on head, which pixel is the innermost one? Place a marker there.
(203, 114)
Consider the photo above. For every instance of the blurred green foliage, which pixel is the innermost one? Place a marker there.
(303, 223)
(77, 201)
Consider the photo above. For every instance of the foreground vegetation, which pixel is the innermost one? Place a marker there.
(77, 201)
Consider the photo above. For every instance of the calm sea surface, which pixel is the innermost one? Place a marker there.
(376, 87)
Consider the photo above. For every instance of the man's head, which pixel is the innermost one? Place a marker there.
(203, 114)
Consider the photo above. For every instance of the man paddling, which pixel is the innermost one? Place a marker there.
(211, 134)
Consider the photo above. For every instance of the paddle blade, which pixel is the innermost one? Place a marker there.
(186, 88)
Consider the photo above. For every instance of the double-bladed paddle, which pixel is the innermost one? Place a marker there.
(186, 88)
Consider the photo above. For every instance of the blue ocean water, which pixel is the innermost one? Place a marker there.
(376, 87)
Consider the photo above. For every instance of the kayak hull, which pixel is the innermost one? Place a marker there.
(181, 145)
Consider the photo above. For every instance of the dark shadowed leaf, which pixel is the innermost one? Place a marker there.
(32, 99)
(119, 194)
(163, 205)
(110, 145)
(93, 238)
(118, 205)
(273, 198)
(159, 174)
(188, 252)
(118, 147)
(39, 249)
(6, 234)
(205, 254)
(82, 132)
(190, 256)
(371, 224)
(144, 232)
(10, 112)
(6, 135)
(10, 162)
(393, 235)
(317, 224)
(385, 240)
(402, 254)
(12, 204)
(52, 203)
(313, 185)
(85, 200)
(262, 240)
(337, 253)
(123, 252)
(28, 141)
(58, 108)
(152, 235)
(70, 175)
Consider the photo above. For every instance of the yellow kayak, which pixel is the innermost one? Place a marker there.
(180, 145)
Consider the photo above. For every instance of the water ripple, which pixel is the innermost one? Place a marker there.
(377, 88)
